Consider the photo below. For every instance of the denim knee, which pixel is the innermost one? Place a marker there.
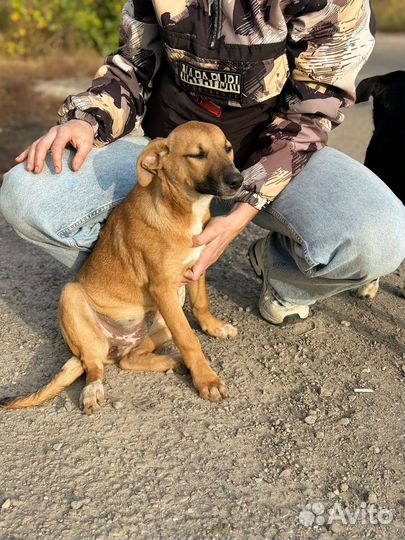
(370, 251)
(15, 200)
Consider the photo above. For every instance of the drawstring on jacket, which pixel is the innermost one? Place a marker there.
(207, 6)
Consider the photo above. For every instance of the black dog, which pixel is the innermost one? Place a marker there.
(385, 154)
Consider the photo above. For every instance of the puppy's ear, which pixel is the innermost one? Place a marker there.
(367, 88)
(150, 161)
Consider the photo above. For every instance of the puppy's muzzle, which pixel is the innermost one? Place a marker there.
(233, 180)
(231, 183)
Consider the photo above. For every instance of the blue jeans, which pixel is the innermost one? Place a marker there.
(335, 227)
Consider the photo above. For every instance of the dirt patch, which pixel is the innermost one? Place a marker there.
(160, 462)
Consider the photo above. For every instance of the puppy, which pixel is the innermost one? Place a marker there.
(124, 303)
(385, 154)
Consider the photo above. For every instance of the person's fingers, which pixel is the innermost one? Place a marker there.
(188, 275)
(59, 144)
(210, 232)
(23, 156)
(199, 268)
(83, 148)
(41, 150)
(31, 156)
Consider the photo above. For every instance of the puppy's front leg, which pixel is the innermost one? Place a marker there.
(206, 381)
(201, 309)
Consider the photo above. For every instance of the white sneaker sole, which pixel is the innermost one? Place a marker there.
(283, 313)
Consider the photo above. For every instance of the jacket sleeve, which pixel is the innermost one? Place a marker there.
(115, 102)
(328, 43)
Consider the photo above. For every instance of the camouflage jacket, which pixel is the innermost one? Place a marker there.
(302, 54)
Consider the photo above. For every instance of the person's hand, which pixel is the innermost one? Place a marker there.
(78, 133)
(216, 237)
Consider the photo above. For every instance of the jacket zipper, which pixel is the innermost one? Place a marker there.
(216, 23)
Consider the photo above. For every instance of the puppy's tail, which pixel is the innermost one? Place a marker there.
(66, 376)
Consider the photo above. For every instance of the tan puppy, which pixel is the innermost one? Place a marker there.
(136, 269)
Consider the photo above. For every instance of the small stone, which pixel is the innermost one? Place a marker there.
(68, 405)
(76, 505)
(377, 450)
(286, 473)
(326, 390)
(331, 495)
(240, 308)
(345, 323)
(169, 371)
(309, 492)
(336, 528)
(6, 504)
(57, 446)
(344, 422)
(118, 404)
(372, 498)
(324, 536)
(310, 419)
(344, 487)
(248, 309)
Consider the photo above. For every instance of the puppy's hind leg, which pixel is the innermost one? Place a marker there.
(87, 341)
(142, 358)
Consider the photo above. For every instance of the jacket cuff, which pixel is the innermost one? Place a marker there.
(257, 200)
(77, 114)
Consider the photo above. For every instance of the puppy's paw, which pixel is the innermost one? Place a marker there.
(212, 388)
(92, 397)
(369, 290)
(219, 329)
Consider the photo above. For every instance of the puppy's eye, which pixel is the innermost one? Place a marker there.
(228, 148)
(200, 155)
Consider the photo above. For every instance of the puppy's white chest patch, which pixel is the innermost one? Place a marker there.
(200, 209)
(193, 257)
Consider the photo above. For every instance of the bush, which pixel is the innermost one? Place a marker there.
(31, 27)
(390, 15)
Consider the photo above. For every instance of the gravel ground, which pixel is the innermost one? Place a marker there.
(293, 441)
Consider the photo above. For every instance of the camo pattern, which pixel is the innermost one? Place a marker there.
(238, 53)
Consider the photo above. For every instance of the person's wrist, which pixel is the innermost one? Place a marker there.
(241, 215)
(80, 122)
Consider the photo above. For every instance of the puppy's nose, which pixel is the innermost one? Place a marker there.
(233, 179)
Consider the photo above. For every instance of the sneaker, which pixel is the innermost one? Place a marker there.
(271, 309)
